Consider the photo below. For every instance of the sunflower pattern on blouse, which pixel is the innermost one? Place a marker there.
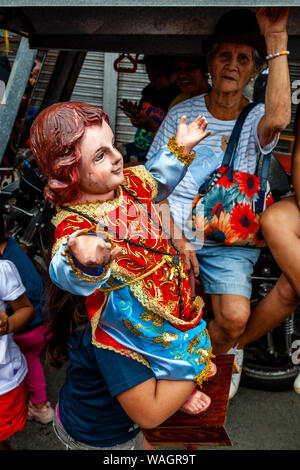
(227, 215)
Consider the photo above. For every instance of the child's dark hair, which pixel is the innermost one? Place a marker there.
(159, 62)
(66, 313)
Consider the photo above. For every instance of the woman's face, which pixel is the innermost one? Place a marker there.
(231, 67)
(189, 77)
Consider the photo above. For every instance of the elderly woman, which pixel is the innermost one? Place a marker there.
(235, 52)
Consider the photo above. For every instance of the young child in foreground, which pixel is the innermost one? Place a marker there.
(110, 247)
(33, 338)
(13, 366)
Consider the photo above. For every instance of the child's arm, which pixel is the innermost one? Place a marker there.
(23, 314)
(13, 292)
(152, 402)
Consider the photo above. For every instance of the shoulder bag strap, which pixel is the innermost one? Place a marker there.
(229, 155)
(228, 158)
(264, 171)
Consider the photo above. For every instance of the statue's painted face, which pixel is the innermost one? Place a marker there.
(101, 165)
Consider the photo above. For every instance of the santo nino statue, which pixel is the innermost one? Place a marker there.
(110, 247)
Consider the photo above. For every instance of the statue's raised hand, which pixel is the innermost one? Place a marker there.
(189, 135)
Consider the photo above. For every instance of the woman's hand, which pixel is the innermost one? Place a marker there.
(190, 135)
(92, 251)
(272, 19)
(188, 254)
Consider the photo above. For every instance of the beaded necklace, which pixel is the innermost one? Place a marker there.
(175, 258)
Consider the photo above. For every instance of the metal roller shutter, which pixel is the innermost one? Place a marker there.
(89, 86)
(40, 88)
(130, 86)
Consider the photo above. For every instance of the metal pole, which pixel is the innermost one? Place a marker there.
(110, 88)
(14, 91)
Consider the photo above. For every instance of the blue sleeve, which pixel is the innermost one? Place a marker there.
(167, 170)
(120, 372)
(67, 276)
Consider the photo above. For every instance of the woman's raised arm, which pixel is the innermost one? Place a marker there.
(273, 23)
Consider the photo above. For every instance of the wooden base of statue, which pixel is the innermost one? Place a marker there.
(182, 429)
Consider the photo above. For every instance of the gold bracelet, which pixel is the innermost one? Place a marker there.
(178, 151)
(78, 272)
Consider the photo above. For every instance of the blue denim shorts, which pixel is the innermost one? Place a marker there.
(227, 269)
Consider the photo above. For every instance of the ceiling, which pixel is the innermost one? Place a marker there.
(136, 29)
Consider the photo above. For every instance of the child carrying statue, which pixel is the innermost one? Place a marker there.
(110, 247)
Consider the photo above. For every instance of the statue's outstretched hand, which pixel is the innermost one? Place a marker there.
(189, 135)
(92, 251)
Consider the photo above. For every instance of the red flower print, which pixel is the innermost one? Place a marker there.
(248, 184)
(224, 180)
(243, 221)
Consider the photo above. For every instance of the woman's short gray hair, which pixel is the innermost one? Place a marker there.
(257, 59)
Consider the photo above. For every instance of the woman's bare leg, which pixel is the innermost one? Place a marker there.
(231, 314)
(272, 310)
(281, 228)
